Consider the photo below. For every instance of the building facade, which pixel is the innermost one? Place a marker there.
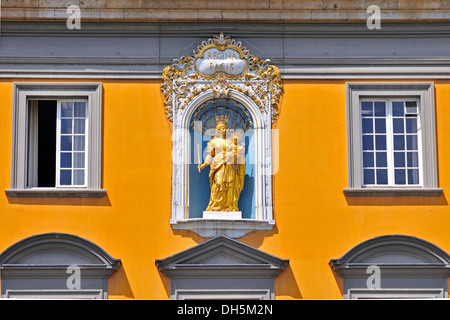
(329, 183)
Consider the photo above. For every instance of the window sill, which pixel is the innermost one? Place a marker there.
(386, 192)
(213, 227)
(56, 193)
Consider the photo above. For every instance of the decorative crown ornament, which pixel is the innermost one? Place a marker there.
(221, 64)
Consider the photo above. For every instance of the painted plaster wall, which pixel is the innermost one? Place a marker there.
(315, 221)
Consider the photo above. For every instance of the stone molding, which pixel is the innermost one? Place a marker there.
(219, 11)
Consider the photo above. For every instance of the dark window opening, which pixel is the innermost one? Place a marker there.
(46, 139)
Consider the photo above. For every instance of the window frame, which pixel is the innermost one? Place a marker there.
(25, 91)
(390, 143)
(424, 92)
(58, 146)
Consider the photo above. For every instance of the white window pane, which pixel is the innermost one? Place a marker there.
(413, 176)
(411, 107)
(78, 177)
(79, 126)
(78, 142)
(66, 143)
(367, 109)
(382, 176)
(380, 142)
(397, 109)
(400, 176)
(66, 109)
(368, 142)
(367, 125)
(412, 159)
(65, 177)
(80, 109)
(380, 108)
(399, 142)
(380, 125)
(368, 159)
(78, 159)
(66, 160)
(66, 126)
(399, 159)
(398, 126)
(369, 176)
(411, 142)
(381, 159)
(411, 125)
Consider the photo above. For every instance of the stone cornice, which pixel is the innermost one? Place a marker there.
(230, 11)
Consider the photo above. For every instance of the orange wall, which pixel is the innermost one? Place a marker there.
(315, 222)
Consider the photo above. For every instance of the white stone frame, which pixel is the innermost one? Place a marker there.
(24, 91)
(215, 269)
(230, 294)
(424, 91)
(180, 177)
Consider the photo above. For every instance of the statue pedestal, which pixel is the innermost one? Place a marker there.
(222, 215)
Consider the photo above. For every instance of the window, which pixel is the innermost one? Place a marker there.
(57, 134)
(390, 134)
(393, 267)
(56, 140)
(391, 139)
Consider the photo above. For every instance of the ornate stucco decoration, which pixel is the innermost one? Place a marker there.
(222, 69)
(221, 64)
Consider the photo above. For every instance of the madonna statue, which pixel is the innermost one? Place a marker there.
(227, 171)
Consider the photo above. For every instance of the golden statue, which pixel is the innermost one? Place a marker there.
(227, 171)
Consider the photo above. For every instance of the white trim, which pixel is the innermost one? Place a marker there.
(22, 91)
(390, 145)
(180, 173)
(222, 294)
(54, 294)
(58, 146)
(394, 293)
(424, 91)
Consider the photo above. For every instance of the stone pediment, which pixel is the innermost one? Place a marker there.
(222, 256)
(55, 251)
(394, 254)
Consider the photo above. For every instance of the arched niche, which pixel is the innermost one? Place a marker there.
(186, 90)
(202, 126)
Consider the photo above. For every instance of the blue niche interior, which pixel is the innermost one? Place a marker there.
(202, 128)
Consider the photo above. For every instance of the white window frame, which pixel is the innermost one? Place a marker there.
(91, 294)
(26, 91)
(58, 146)
(424, 92)
(222, 294)
(389, 143)
(394, 293)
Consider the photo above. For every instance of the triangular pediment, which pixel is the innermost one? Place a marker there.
(220, 252)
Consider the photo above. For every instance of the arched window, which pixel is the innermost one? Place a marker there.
(393, 267)
(56, 265)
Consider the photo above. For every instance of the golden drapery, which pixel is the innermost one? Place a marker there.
(226, 174)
